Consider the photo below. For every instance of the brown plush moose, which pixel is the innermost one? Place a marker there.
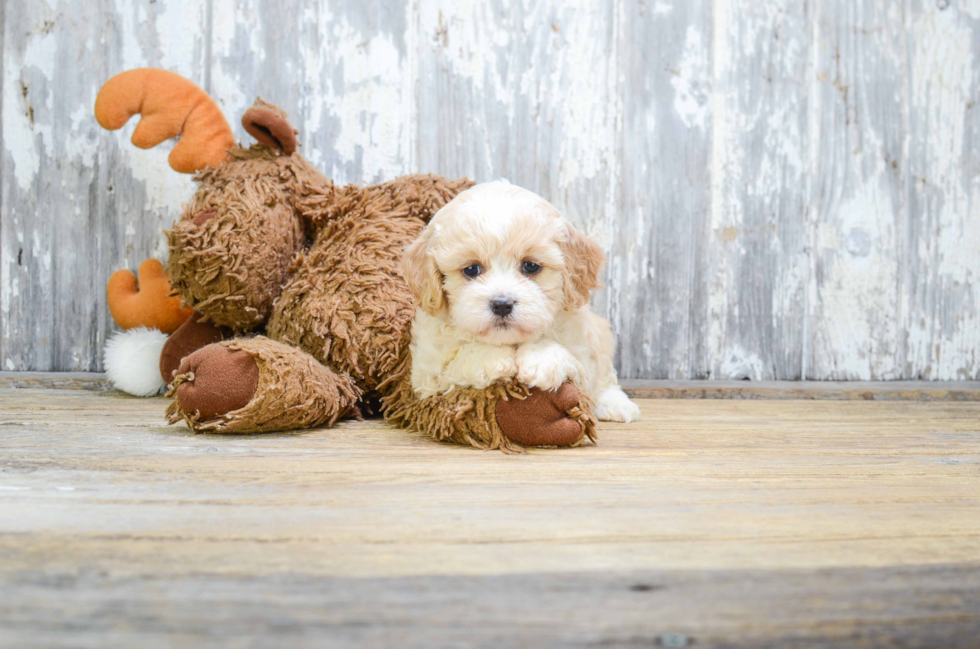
(301, 314)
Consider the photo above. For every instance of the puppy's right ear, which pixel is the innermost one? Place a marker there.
(583, 261)
(422, 275)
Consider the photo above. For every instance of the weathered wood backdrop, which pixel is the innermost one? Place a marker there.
(785, 188)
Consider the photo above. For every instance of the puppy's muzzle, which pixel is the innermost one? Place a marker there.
(502, 306)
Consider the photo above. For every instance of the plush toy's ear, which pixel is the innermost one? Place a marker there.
(170, 105)
(147, 302)
(423, 276)
(583, 261)
(267, 124)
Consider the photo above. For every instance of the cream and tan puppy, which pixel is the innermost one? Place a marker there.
(502, 282)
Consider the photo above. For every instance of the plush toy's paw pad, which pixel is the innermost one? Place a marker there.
(221, 380)
(614, 405)
(542, 418)
(190, 337)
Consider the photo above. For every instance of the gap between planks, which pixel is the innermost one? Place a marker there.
(644, 389)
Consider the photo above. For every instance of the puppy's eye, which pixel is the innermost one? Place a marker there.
(530, 268)
(473, 271)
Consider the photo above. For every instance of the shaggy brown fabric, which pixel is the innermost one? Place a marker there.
(294, 391)
(231, 267)
(267, 124)
(346, 302)
(267, 239)
(469, 416)
(190, 337)
(219, 380)
(203, 217)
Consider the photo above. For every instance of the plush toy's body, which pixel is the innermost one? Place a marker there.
(268, 245)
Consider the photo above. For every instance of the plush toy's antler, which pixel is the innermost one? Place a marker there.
(170, 105)
(147, 302)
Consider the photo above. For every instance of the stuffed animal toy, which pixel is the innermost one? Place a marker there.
(145, 299)
(301, 314)
(147, 311)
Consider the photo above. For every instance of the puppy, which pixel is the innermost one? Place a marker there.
(502, 283)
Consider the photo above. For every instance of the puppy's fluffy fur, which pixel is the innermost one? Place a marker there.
(502, 282)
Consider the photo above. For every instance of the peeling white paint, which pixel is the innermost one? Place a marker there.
(795, 117)
(690, 81)
(20, 129)
(369, 106)
(859, 308)
(944, 333)
(131, 46)
(180, 48)
(737, 363)
(858, 206)
(723, 170)
(586, 79)
(970, 7)
(166, 190)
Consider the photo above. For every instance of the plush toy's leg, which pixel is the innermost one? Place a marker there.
(189, 337)
(506, 417)
(256, 385)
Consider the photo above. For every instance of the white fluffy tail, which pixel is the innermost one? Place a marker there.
(132, 361)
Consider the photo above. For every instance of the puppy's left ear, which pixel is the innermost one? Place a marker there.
(583, 261)
(422, 275)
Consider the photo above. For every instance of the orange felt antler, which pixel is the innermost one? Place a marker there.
(146, 303)
(170, 105)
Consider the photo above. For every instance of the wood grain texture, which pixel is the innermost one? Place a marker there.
(858, 197)
(656, 293)
(943, 231)
(341, 70)
(809, 390)
(58, 380)
(905, 607)
(641, 388)
(785, 189)
(730, 523)
(78, 202)
(755, 252)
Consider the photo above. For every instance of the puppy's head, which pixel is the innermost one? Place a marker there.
(502, 262)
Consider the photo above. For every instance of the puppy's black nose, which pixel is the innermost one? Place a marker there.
(502, 306)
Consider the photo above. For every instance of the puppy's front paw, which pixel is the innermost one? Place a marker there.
(500, 368)
(614, 405)
(477, 366)
(547, 366)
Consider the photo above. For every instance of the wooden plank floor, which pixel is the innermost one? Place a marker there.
(710, 523)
